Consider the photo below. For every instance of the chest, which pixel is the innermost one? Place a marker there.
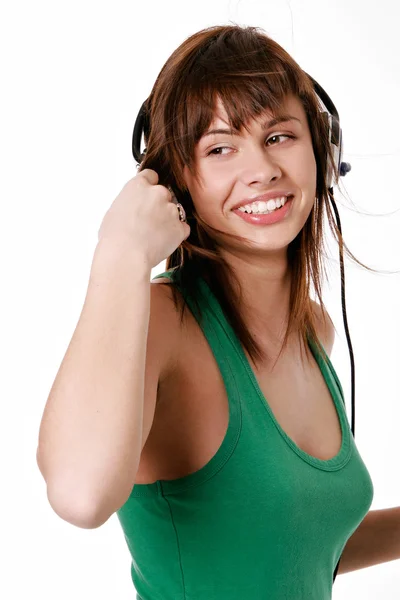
(192, 412)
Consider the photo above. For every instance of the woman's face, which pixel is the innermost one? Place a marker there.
(235, 167)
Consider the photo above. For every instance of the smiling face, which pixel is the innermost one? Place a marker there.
(238, 165)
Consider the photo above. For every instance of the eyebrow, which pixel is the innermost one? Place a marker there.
(266, 125)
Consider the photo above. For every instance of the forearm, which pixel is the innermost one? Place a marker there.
(375, 541)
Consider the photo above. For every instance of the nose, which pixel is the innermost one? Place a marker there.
(259, 166)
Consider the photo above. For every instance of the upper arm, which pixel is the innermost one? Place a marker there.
(162, 336)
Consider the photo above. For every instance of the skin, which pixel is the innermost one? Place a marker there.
(255, 163)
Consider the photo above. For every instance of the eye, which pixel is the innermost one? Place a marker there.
(280, 135)
(213, 152)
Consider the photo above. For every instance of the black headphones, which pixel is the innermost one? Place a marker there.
(331, 116)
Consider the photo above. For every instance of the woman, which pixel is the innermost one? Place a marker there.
(217, 431)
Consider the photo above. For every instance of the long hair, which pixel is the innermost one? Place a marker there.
(250, 73)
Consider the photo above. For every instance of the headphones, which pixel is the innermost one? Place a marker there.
(331, 116)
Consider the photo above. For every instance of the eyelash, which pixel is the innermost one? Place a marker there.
(292, 137)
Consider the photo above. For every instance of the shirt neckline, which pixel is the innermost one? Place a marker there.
(327, 370)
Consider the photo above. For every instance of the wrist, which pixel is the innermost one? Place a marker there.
(110, 256)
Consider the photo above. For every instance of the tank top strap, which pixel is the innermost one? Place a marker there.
(222, 343)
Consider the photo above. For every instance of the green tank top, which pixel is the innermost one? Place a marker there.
(262, 519)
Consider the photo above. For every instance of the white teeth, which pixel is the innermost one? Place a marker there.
(264, 207)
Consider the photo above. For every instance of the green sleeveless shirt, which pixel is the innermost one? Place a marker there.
(262, 520)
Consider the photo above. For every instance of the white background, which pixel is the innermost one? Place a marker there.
(73, 77)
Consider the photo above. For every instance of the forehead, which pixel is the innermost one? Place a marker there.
(291, 105)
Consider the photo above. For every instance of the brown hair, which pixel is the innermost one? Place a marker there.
(250, 72)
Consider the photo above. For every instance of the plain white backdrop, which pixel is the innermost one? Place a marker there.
(73, 77)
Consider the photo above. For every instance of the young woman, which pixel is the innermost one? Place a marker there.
(205, 410)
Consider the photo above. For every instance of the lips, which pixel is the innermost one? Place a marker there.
(264, 197)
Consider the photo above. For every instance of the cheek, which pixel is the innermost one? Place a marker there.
(213, 191)
(305, 169)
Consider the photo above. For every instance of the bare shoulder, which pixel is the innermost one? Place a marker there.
(326, 333)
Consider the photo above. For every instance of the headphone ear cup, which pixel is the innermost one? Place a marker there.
(141, 128)
(337, 145)
(335, 140)
(328, 176)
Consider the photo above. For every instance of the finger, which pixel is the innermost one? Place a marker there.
(150, 175)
